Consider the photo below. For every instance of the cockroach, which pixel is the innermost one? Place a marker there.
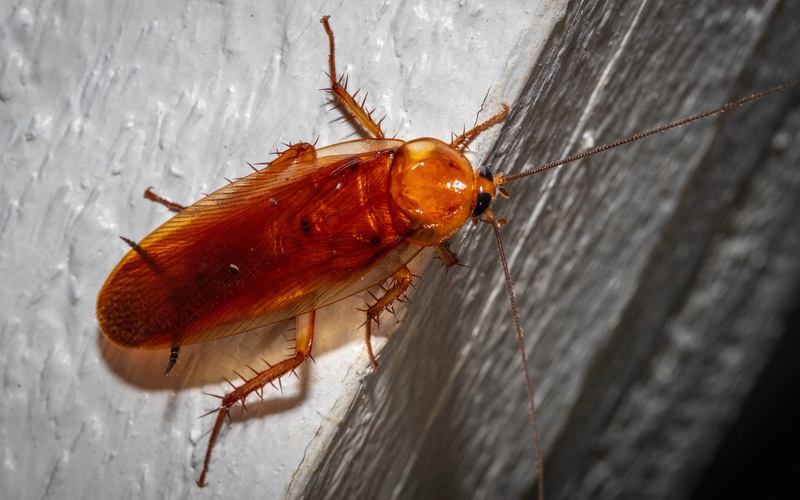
(313, 227)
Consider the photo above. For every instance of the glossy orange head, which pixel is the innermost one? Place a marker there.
(433, 191)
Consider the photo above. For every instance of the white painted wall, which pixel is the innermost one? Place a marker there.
(99, 101)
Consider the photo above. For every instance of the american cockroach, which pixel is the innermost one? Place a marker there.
(314, 226)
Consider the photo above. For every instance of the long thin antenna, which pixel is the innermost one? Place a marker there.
(537, 444)
(636, 137)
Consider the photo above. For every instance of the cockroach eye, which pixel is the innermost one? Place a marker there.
(485, 191)
(482, 202)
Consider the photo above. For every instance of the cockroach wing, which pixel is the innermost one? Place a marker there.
(275, 244)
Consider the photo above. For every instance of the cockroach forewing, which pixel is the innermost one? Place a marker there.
(267, 187)
(240, 259)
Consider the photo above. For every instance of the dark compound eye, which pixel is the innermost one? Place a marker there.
(487, 174)
(482, 202)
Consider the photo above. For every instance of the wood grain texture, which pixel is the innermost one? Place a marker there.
(654, 281)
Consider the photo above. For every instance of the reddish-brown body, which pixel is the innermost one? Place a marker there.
(278, 243)
(313, 227)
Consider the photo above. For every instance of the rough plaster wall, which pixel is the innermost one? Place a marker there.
(100, 100)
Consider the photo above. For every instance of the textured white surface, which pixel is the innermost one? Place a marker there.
(99, 101)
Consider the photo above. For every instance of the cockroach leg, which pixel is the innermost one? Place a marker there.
(131, 243)
(296, 153)
(446, 255)
(339, 90)
(152, 196)
(402, 280)
(175, 351)
(463, 140)
(303, 343)
(173, 358)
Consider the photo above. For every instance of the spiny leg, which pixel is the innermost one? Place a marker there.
(446, 255)
(303, 343)
(175, 207)
(363, 116)
(402, 280)
(295, 153)
(463, 140)
(152, 196)
(173, 358)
